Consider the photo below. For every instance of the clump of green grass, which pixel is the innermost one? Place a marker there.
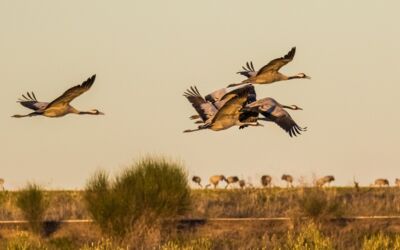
(308, 238)
(194, 244)
(151, 190)
(381, 241)
(318, 204)
(33, 204)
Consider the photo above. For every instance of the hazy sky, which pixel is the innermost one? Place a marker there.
(146, 53)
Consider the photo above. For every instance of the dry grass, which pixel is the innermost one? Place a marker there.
(275, 202)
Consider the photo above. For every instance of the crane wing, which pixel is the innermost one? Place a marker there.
(278, 63)
(29, 101)
(73, 92)
(216, 95)
(234, 102)
(283, 119)
(205, 109)
(248, 70)
(263, 105)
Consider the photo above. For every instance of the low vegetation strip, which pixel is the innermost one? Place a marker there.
(233, 203)
(376, 217)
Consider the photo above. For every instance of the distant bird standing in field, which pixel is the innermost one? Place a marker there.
(215, 179)
(289, 180)
(60, 106)
(266, 181)
(381, 182)
(275, 112)
(325, 180)
(226, 116)
(2, 184)
(397, 182)
(231, 180)
(356, 184)
(197, 180)
(242, 184)
(270, 72)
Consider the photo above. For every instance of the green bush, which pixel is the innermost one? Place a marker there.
(195, 244)
(152, 189)
(308, 238)
(381, 241)
(317, 204)
(33, 204)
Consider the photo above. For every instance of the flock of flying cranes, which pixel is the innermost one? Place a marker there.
(237, 104)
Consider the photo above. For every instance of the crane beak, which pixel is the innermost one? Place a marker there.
(308, 77)
(101, 113)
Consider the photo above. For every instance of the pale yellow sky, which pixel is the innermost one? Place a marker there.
(146, 53)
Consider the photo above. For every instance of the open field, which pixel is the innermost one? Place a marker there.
(289, 204)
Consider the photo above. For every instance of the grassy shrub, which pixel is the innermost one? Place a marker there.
(23, 241)
(318, 204)
(33, 204)
(150, 190)
(2, 198)
(308, 238)
(381, 241)
(103, 244)
(195, 244)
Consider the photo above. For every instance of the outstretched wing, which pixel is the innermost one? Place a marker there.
(248, 70)
(29, 101)
(217, 95)
(288, 124)
(263, 105)
(278, 63)
(234, 102)
(205, 109)
(72, 93)
(274, 112)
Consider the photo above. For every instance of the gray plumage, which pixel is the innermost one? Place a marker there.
(61, 105)
(275, 112)
(270, 72)
(289, 180)
(228, 113)
(266, 181)
(231, 180)
(197, 180)
(242, 184)
(325, 180)
(381, 182)
(215, 179)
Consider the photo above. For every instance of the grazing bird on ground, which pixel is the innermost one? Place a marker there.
(270, 72)
(381, 182)
(227, 115)
(266, 181)
(242, 184)
(60, 106)
(356, 184)
(324, 180)
(215, 179)
(231, 180)
(1, 184)
(275, 112)
(397, 182)
(289, 180)
(197, 180)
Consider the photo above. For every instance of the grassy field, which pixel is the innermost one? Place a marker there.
(232, 203)
(314, 213)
